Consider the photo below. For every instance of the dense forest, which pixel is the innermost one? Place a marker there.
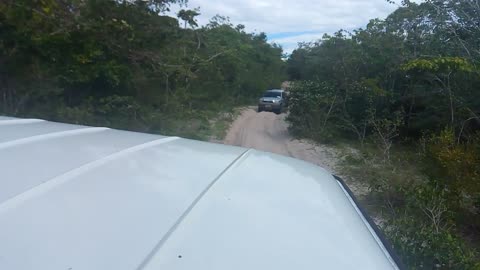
(412, 82)
(125, 64)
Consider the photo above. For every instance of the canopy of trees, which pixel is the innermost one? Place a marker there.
(124, 64)
(413, 77)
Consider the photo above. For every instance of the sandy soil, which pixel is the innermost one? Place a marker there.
(267, 131)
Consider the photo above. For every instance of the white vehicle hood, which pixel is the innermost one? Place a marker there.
(75, 197)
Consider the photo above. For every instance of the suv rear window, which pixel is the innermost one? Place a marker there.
(272, 94)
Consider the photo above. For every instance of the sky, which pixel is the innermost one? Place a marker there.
(288, 22)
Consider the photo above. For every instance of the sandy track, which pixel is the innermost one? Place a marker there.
(268, 132)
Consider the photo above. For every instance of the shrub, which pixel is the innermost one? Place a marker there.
(307, 104)
(422, 220)
(423, 232)
(458, 162)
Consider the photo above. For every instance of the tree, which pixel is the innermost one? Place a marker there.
(77, 60)
(407, 80)
(188, 16)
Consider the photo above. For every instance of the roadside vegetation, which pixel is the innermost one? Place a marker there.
(404, 92)
(124, 64)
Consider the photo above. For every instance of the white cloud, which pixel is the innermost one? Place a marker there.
(297, 17)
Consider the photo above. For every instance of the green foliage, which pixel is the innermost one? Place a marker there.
(321, 110)
(456, 166)
(414, 78)
(124, 64)
(426, 71)
(422, 232)
(310, 104)
(458, 161)
(439, 64)
(418, 214)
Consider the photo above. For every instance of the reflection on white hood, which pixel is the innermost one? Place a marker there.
(75, 197)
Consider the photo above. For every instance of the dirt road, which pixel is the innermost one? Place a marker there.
(268, 132)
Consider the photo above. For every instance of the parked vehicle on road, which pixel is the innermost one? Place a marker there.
(273, 100)
(77, 197)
